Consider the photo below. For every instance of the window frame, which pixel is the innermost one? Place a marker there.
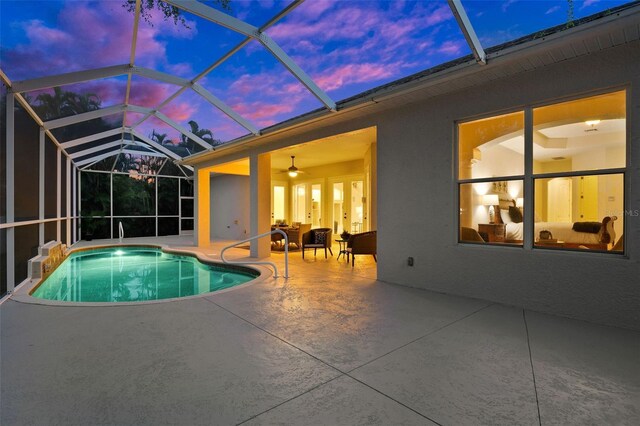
(529, 177)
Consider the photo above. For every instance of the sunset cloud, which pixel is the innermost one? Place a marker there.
(346, 47)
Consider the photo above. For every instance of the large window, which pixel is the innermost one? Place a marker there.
(491, 172)
(574, 157)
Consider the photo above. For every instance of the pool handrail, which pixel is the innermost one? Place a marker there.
(272, 264)
(120, 232)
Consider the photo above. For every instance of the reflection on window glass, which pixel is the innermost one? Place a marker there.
(492, 147)
(585, 134)
(580, 212)
(492, 212)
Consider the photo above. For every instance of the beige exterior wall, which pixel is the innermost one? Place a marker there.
(416, 194)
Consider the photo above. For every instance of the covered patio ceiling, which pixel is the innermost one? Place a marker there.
(134, 125)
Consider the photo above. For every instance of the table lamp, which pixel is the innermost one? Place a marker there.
(491, 200)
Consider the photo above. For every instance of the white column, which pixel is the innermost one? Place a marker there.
(74, 210)
(260, 203)
(41, 184)
(79, 211)
(58, 193)
(111, 204)
(202, 208)
(10, 163)
(156, 206)
(68, 200)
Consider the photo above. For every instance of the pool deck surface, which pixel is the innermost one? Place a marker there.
(329, 346)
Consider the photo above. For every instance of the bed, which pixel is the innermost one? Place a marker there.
(563, 234)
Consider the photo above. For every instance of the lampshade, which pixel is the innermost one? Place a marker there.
(490, 200)
(519, 202)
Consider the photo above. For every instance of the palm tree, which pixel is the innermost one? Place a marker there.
(204, 134)
(56, 105)
(161, 138)
(79, 103)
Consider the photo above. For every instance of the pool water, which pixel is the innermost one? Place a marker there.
(134, 274)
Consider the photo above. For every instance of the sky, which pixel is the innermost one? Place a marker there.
(346, 46)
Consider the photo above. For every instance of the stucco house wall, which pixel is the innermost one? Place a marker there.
(417, 196)
(415, 171)
(229, 201)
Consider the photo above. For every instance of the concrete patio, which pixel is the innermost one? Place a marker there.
(331, 345)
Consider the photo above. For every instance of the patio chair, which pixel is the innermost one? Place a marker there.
(317, 238)
(363, 243)
(295, 234)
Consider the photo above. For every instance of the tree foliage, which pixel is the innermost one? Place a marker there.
(168, 11)
(62, 103)
(204, 134)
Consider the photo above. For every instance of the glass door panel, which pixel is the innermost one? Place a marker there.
(316, 205)
(357, 207)
(299, 203)
(278, 201)
(338, 208)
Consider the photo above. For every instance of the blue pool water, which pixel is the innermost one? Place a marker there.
(133, 274)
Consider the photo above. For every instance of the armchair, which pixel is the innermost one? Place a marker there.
(317, 238)
(363, 243)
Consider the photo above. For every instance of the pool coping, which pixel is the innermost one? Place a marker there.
(23, 291)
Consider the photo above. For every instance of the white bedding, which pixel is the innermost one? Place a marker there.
(560, 230)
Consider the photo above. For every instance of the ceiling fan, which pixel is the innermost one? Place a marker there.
(292, 171)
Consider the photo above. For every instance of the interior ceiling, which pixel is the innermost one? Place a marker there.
(333, 149)
(573, 139)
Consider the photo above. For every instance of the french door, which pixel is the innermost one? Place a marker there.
(349, 211)
(307, 203)
(278, 202)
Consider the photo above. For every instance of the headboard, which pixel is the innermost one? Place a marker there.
(505, 203)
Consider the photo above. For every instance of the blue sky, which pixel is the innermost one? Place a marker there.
(345, 46)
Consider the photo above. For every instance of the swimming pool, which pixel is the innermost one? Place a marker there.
(136, 274)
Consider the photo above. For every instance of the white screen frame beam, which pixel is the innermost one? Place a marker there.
(70, 78)
(467, 29)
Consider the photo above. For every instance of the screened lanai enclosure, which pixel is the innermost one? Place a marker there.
(78, 188)
(101, 100)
